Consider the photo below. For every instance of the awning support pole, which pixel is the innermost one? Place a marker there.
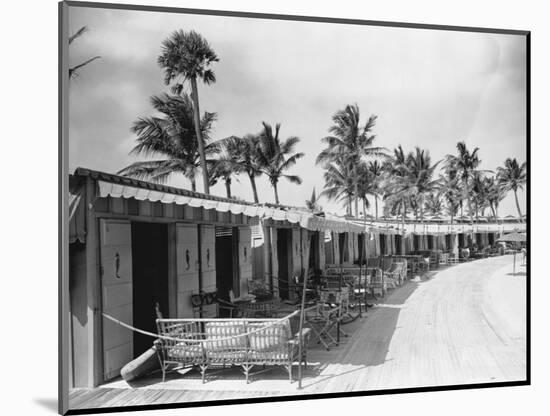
(300, 337)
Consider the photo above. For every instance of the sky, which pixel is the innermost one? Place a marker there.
(428, 88)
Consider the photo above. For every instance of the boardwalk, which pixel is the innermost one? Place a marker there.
(466, 324)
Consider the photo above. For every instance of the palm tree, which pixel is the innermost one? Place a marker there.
(465, 164)
(350, 141)
(226, 164)
(171, 136)
(376, 171)
(339, 183)
(275, 156)
(313, 202)
(365, 185)
(479, 193)
(434, 204)
(448, 187)
(186, 57)
(420, 172)
(244, 157)
(398, 194)
(73, 71)
(396, 184)
(495, 194)
(512, 177)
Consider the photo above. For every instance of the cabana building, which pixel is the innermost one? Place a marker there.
(290, 242)
(137, 248)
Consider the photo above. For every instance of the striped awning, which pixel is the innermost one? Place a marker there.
(305, 219)
(445, 228)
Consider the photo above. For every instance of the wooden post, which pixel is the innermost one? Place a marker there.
(172, 271)
(301, 326)
(95, 352)
(360, 273)
(199, 257)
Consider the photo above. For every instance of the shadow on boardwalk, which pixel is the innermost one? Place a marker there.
(368, 343)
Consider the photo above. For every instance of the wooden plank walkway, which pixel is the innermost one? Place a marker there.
(464, 325)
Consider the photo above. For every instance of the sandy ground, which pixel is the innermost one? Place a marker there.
(466, 324)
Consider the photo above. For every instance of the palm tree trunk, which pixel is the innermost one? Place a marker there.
(356, 198)
(517, 204)
(376, 206)
(193, 185)
(228, 187)
(276, 192)
(254, 190)
(470, 213)
(196, 116)
(403, 213)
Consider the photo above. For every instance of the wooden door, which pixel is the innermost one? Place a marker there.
(245, 259)
(187, 268)
(116, 294)
(273, 262)
(208, 267)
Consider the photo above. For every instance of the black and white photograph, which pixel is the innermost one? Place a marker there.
(265, 207)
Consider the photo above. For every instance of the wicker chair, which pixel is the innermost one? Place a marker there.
(377, 282)
(206, 343)
(398, 272)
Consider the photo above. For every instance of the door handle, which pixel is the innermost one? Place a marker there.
(117, 265)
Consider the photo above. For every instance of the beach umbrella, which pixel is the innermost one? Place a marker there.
(513, 237)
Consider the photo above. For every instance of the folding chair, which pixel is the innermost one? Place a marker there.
(321, 319)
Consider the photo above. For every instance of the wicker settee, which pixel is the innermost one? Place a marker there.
(207, 343)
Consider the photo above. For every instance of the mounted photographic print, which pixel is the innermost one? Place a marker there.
(263, 207)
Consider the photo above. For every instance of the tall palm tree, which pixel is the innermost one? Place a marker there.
(170, 136)
(73, 71)
(275, 156)
(350, 141)
(513, 176)
(465, 163)
(186, 57)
